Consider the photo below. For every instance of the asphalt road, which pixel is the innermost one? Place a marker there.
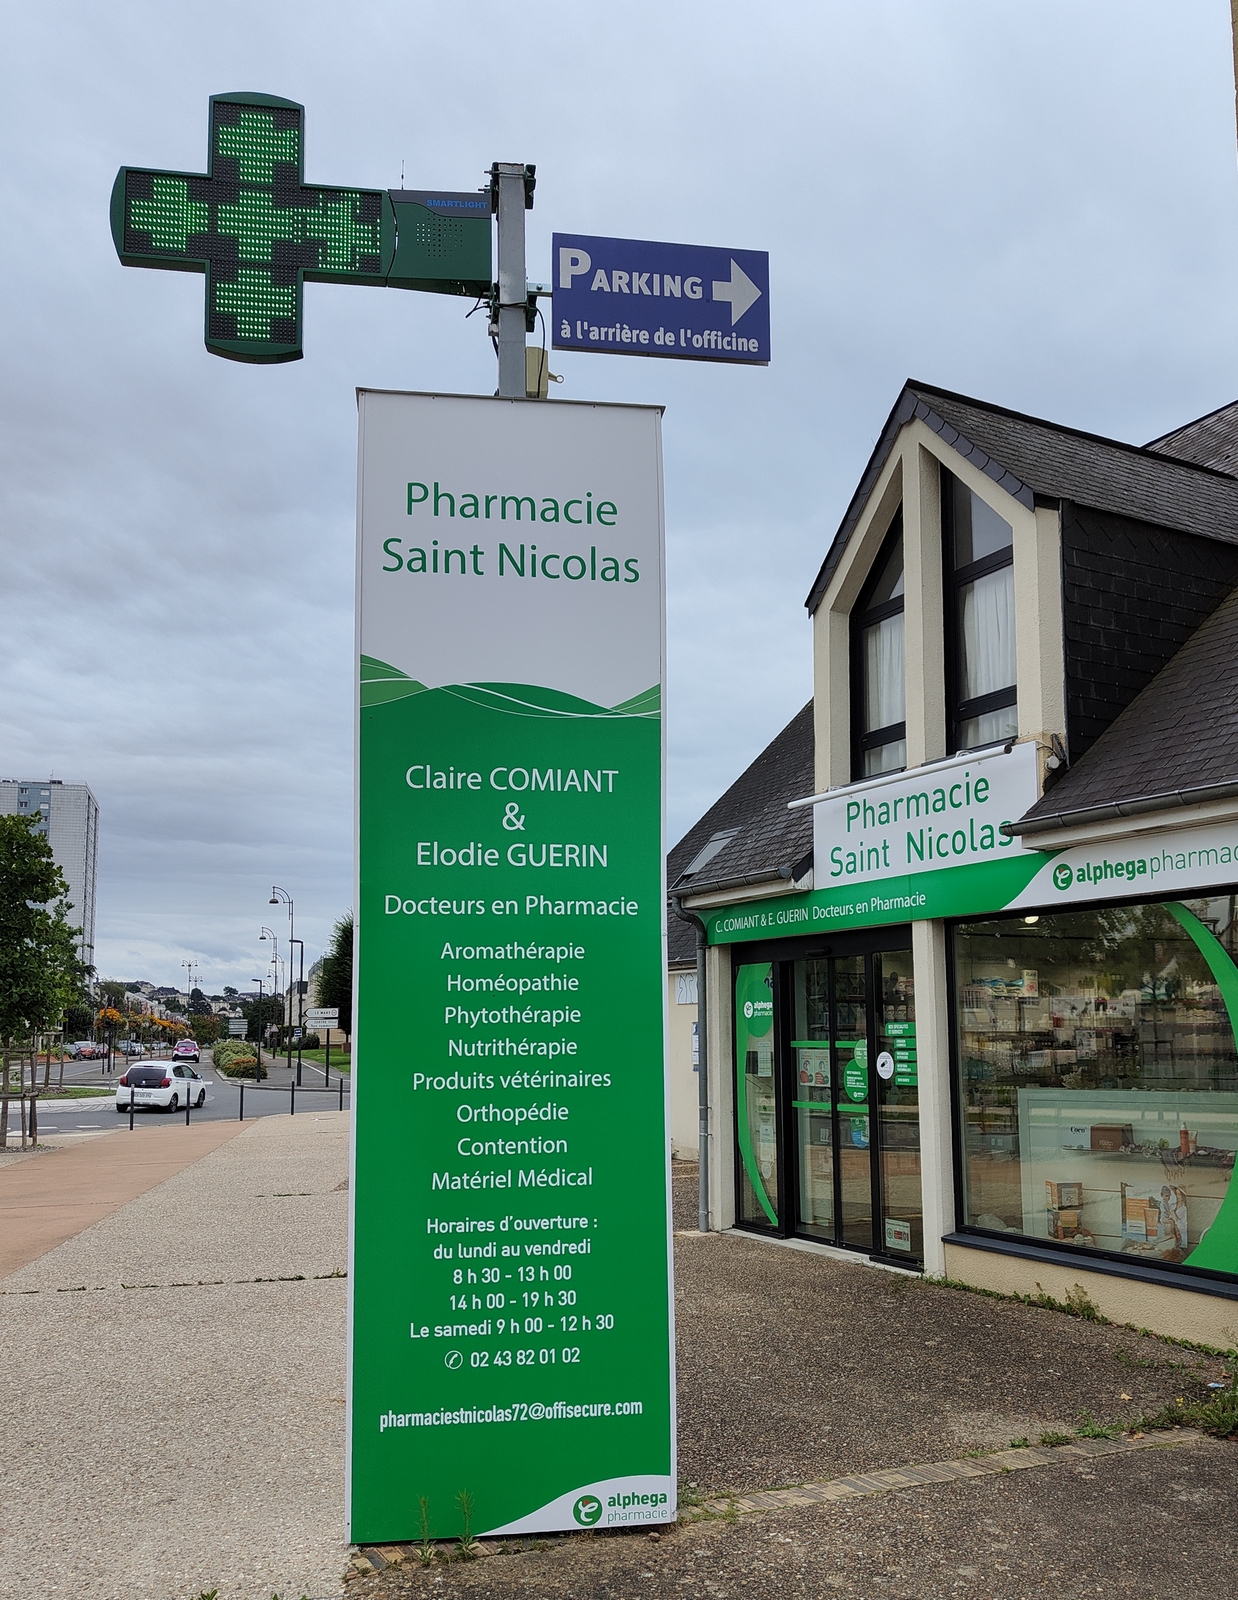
(223, 1097)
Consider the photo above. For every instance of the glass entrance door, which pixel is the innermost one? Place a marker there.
(814, 1098)
(897, 1081)
(854, 1107)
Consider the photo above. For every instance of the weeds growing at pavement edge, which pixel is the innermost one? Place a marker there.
(425, 1545)
(1213, 1411)
(1078, 1302)
(466, 1544)
(1089, 1428)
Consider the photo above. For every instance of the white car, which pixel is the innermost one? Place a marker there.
(160, 1086)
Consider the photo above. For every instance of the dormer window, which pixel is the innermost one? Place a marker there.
(981, 682)
(879, 694)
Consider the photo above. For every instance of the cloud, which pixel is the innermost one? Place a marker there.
(1033, 204)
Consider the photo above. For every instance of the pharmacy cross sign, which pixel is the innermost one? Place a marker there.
(254, 227)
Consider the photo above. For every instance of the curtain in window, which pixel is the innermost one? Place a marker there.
(988, 634)
(885, 695)
(891, 757)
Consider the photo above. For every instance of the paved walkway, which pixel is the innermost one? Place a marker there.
(172, 1417)
(46, 1200)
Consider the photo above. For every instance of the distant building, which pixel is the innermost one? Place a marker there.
(69, 820)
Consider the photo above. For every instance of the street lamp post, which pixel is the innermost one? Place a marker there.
(192, 966)
(267, 934)
(281, 896)
(300, 1003)
(258, 981)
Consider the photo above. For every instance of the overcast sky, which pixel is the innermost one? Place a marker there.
(1036, 203)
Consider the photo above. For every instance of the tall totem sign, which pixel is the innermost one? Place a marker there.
(511, 1329)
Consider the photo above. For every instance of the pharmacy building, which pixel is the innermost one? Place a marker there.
(953, 978)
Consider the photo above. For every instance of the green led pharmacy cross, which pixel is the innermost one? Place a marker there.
(254, 227)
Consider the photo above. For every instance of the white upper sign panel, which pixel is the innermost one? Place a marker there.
(945, 814)
(530, 531)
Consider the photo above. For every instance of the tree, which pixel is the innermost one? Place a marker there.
(79, 1017)
(335, 973)
(199, 1005)
(260, 1014)
(111, 992)
(41, 971)
(206, 1029)
(229, 992)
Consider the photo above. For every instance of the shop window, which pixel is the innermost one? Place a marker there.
(879, 697)
(981, 681)
(1099, 1079)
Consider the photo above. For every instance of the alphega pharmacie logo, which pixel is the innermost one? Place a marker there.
(1063, 876)
(758, 1008)
(587, 1510)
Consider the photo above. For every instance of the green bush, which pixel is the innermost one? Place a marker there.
(243, 1067)
(235, 1058)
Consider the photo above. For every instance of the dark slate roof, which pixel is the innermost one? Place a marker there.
(1030, 457)
(769, 841)
(1212, 440)
(1178, 735)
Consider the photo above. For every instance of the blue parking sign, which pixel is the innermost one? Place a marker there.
(639, 297)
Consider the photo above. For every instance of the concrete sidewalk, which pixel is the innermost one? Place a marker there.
(173, 1412)
(173, 1419)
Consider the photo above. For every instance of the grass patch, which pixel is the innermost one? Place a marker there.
(1128, 1360)
(339, 1062)
(76, 1091)
(1214, 1412)
(1089, 1428)
(1183, 1344)
(1018, 1444)
(1051, 1437)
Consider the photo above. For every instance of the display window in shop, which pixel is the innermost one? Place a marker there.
(1099, 1078)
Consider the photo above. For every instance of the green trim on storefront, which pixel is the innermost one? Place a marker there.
(746, 1151)
(978, 889)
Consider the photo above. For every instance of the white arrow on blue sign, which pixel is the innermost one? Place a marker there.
(638, 297)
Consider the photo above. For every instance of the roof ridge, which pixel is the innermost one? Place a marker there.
(1077, 433)
(1193, 423)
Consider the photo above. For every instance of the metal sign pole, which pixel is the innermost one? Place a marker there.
(513, 186)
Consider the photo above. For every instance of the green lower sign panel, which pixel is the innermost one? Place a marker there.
(511, 1335)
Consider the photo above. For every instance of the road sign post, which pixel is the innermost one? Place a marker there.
(513, 196)
(510, 1281)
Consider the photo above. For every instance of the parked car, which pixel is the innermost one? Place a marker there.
(129, 1047)
(87, 1050)
(160, 1086)
(186, 1050)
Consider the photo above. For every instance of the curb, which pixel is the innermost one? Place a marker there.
(859, 1485)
